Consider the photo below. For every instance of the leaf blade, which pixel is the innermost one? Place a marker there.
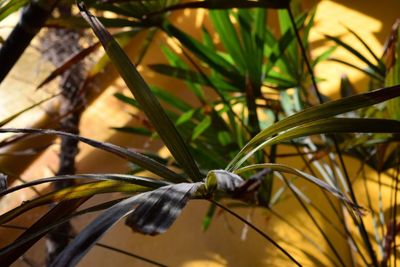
(150, 105)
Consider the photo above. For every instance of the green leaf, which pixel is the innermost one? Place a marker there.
(356, 53)
(72, 192)
(185, 117)
(228, 4)
(224, 138)
(259, 37)
(149, 103)
(10, 7)
(191, 77)
(278, 48)
(74, 59)
(228, 36)
(178, 72)
(285, 26)
(134, 157)
(128, 100)
(326, 126)
(17, 114)
(137, 180)
(201, 127)
(170, 99)
(134, 130)
(367, 71)
(207, 38)
(324, 55)
(176, 61)
(393, 71)
(378, 60)
(206, 54)
(325, 110)
(306, 176)
(208, 218)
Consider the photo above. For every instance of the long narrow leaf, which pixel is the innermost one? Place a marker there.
(74, 59)
(156, 211)
(330, 125)
(152, 108)
(15, 115)
(325, 110)
(143, 181)
(227, 4)
(72, 192)
(306, 176)
(8, 256)
(137, 158)
(356, 53)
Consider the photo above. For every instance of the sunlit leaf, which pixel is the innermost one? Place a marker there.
(73, 192)
(326, 126)
(306, 176)
(130, 155)
(17, 114)
(150, 105)
(356, 53)
(201, 127)
(325, 110)
(10, 7)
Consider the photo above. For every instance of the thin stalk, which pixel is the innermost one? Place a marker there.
(337, 174)
(253, 120)
(341, 218)
(314, 221)
(300, 232)
(273, 242)
(211, 84)
(395, 207)
(98, 244)
(127, 253)
(374, 219)
(72, 103)
(360, 225)
(380, 205)
(314, 174)
(385, 255)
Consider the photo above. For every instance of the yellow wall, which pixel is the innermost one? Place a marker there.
(185, 244)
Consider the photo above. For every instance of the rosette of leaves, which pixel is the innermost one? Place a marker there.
(249, 72)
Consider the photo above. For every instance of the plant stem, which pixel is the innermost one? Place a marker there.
(32, 20)
(314, 221)
(360, 225)
(300, 232)
(340, 214)
(257, 230)
(98, 244)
